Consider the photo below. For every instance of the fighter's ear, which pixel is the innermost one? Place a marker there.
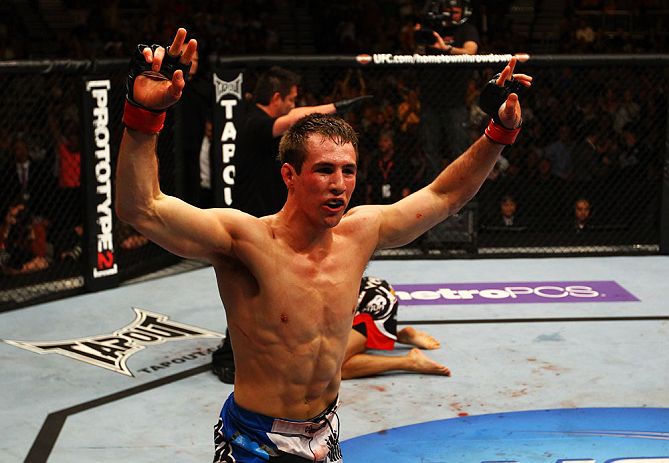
(288, 174)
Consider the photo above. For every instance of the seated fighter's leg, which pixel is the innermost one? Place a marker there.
(362, 365)
(358, 364)
(357, 344)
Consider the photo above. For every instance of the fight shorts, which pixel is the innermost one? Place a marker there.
(243, 436)
(376, 313)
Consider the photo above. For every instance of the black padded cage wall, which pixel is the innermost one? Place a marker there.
(62, 235)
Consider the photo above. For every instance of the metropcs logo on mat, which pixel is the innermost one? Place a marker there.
(112, 351)
(512, 293)
(581, 435)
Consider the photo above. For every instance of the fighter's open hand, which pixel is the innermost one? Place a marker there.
(509, 112)
(157, 84)
(499, 100)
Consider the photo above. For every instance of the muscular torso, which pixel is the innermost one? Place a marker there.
(289, 313)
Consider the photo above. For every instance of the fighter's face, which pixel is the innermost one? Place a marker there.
(326, 181)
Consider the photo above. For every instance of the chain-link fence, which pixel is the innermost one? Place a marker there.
(585, 176)
(43, 155)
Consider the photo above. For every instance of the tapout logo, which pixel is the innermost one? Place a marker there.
(532, 292)
(229, 133)
(112, 351)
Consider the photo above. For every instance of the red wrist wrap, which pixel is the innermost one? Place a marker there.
(142, 120)
(500, 134)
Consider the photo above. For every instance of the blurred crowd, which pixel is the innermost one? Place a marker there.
(586, 135)
(110, 28)
(590, 153)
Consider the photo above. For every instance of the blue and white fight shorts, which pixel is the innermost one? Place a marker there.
(243, 436)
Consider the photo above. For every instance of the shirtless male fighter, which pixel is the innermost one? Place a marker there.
(289, 281)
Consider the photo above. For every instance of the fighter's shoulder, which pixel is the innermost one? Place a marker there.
(361, 217)
(240, 223)
(364, 211)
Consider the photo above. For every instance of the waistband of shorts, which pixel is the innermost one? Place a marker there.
(267, 423)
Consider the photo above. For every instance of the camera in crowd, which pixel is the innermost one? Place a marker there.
(436, 15)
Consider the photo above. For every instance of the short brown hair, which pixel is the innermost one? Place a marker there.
(274, 80)
(292, 148)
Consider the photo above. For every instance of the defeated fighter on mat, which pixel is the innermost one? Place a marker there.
(375, 327)
(289, 281)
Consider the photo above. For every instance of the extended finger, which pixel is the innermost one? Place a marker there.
(512, 64)
(179, 40)
(148, 54)
(503, 76)
(507, 73)
(523, 79)
(158, 56)
(187, 57)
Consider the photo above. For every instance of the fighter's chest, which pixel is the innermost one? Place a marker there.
(326, 287)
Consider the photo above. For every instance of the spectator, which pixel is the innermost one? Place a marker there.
(505, 216)
(585, 35)
(559, 153)
(586, 157)
(507, 208)
(408, 112)
(22, 241)
(349, 87)
(581, 221)
(24, 178)
(68, 198)
(390, 176)
(633, 161)
(628, 112)
(68, 150)
(507, 211)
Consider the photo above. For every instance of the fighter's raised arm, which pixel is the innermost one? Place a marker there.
(155, 81)
(407, 219)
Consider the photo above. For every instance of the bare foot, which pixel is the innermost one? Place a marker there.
(417, 338)
(422, 364)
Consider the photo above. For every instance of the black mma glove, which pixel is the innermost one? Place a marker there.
(491, 99)
(138, 66)
(135, 115)
(346, 105)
